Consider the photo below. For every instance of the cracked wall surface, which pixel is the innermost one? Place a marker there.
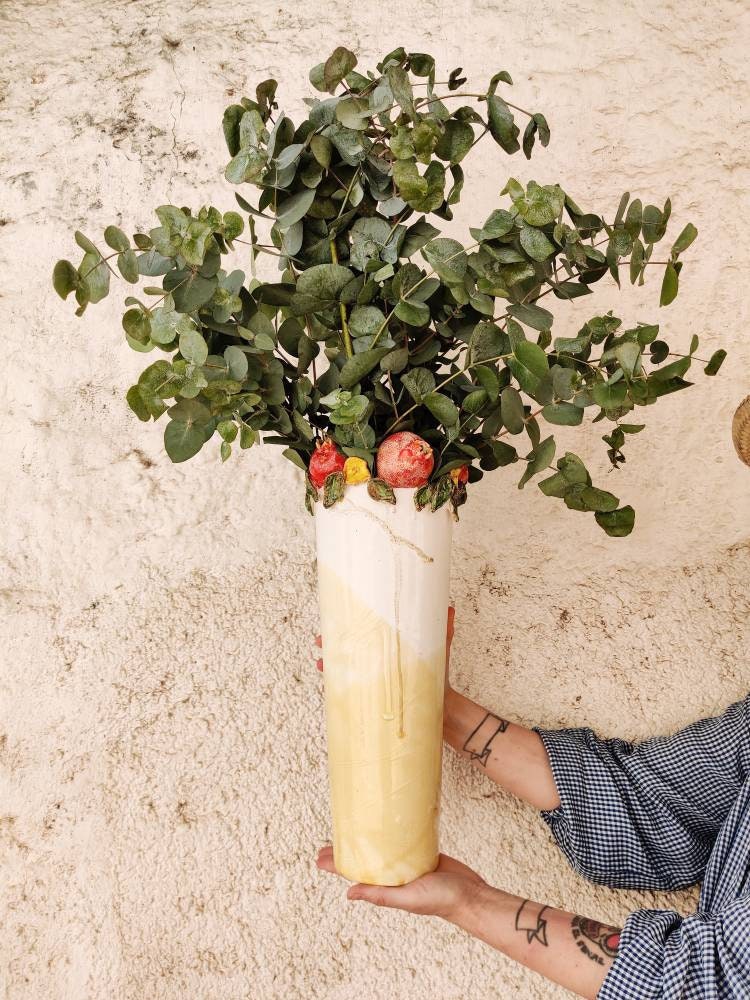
(162, 758)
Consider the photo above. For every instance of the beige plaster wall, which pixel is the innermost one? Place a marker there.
(163, 778)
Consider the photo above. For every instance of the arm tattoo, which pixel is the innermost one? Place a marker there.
(483, 736)
(596, 941)
(530, 921)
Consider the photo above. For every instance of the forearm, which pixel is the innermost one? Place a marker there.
(570, 950)
(510, 755)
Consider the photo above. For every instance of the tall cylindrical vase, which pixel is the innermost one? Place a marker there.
(383, 584)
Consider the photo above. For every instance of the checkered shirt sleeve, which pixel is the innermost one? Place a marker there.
(646, 815)
(664, 814)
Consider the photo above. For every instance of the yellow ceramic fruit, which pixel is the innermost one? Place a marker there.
(356, 471)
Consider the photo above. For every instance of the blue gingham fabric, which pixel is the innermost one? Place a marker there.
(664, 814)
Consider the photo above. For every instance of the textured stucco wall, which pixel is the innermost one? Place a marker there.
(163, 786)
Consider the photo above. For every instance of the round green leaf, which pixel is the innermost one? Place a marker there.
(236, 359)
(447, 257)
(136, 403)
(227, 430)
(599, 500)
(95, 273)
(319, 287)
(233, 225)
(565, 414)
(137, 325)
(396, 360)
(539, 458)
(264, 342)
(535, 243)
(116, 238)
(442, 408)
(193, 347)
(499, 223)
(183, 440)
(611, 396)
(166, 324)
(336, 67)
(474, 401)
(456, 141)
(365, 321)
(64, 278)
(419, 382)
(617, 523)
(247, 165)
(501, 124)
(127, 264)
(413, 313)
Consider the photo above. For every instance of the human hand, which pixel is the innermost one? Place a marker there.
(448, 641)
(446, 892)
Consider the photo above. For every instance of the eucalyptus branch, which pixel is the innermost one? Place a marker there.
(337, 245)
(102, 260)
(342, 309)
(413, 288)
(526, 420)
(480, 97)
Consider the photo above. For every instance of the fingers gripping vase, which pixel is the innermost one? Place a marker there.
(383, 584)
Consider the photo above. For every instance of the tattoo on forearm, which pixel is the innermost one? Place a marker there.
(478, 744)
(530, 921)
(597, 941)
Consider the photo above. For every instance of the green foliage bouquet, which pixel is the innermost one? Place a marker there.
(378, 323)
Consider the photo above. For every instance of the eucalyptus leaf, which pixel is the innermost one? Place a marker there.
(538, 459)
(512, 410)
(127, 265)
(617, 523)
(355, 368)
(193, 347)
(535, 243)
(442, 408)
(320, 286)
(715, 362)
(684, 240)
(116, 238)
(531, 357)
(294, 208)
(341, 62)
(455, 142)
(502, 125)
(413, 313)
(94, 271)
(365, 321)
(419, 383)
(183, 440)
(670, 285)
(565, 414)
(64, 278)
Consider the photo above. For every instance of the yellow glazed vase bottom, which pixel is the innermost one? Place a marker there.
(384, 712)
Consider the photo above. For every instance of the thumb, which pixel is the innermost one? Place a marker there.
(450, 630)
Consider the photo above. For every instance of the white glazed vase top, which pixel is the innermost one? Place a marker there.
(383, 584)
